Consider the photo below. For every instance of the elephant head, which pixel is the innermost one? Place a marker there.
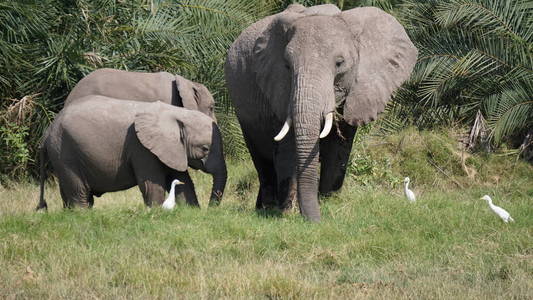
(175, 135)
(195, 96)
(313, 62)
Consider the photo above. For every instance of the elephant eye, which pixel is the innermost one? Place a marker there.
(205, 148)
(339, 61)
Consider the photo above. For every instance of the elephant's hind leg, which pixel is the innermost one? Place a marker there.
(75, 194)
(73, 187)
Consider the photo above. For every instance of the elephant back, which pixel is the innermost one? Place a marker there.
(145, 87)
(119, 84)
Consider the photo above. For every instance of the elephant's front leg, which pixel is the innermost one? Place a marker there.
(150, 176)
(334, 154)
(187, 188)
(259, 146)
(285, 165)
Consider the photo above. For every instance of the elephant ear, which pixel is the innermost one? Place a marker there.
(160, 132)
(204, 100)
(186, 90)
(386, 58)
(195, 96)
(271, 72)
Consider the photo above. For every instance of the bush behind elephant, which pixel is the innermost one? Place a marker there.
(293, 71)
(100, 144)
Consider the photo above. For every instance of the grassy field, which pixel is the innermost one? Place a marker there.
(371, 243)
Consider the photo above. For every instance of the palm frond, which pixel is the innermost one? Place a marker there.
(477, 56)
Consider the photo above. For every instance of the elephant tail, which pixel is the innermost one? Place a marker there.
(43, 157)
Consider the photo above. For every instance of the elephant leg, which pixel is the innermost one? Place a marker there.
(153, 191)
(150, 177)
(334, 154)
(265, 172)
(75, 196)
(284, 160)
(266, 197)
(90, 200)
(187, 188)
(74, 190)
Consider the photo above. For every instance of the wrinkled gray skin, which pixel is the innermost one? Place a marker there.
(101, 144)
(300, 65)
(168, 88)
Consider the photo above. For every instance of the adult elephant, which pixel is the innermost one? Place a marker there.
(293, 71)
(168, 88)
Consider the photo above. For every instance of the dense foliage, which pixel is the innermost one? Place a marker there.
(475, 60)
(49, 45)
(475, 67)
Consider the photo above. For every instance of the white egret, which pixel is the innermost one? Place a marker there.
(408, 193)
(502, 213)
(170, 202)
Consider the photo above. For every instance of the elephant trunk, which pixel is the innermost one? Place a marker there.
(219, 184)
(216, 166)
(312, 97)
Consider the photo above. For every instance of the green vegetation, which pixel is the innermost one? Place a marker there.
(475, 67)
(371, 242)
(433, 157)
(475, 64)
(48, 46)
(474, 75)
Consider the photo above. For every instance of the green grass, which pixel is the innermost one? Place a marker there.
(370, 243)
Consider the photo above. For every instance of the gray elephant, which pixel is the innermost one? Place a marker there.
(294, 71)
(168, 88)
(100, 144)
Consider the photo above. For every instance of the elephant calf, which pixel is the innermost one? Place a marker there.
(100, 144)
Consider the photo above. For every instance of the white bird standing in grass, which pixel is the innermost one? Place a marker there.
(170, 202)
(506, 217)
(408, 193)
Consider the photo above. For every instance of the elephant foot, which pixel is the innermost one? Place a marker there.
(42, 206)
(330, 185)
(265, 198)
(289, 199)
(215, 199)
(270, 212)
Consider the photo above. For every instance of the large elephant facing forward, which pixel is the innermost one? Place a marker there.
(168, 88)
(292, 71)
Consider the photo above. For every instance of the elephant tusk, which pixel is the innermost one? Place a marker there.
(283, 132)
(327, 126)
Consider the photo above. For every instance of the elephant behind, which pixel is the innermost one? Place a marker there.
(101, 144)
(168, 88)
(292, 71)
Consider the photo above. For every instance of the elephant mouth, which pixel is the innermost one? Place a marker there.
(196, 164)
(340, 97)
